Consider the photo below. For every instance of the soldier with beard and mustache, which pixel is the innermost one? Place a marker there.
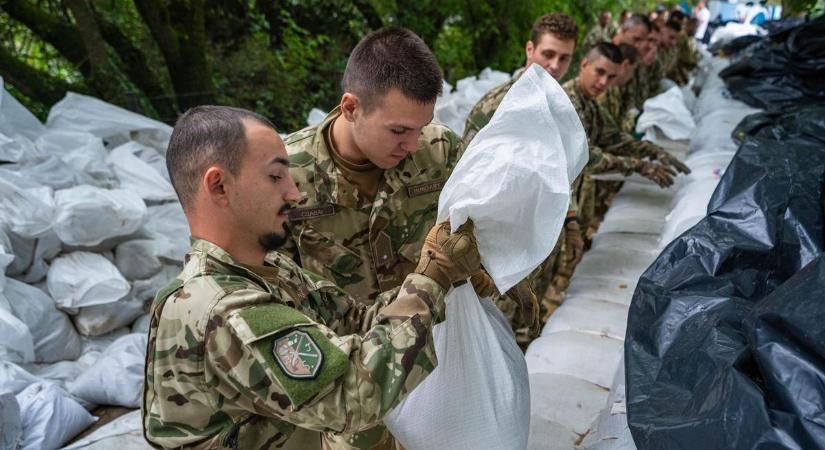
(245, 353)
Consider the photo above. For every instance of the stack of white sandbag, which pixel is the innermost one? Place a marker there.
(90, 229)
(452, 107)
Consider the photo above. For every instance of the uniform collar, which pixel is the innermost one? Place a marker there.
(330, 184)
(228, 264)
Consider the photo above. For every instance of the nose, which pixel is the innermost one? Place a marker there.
(410, 142)
(292, 194)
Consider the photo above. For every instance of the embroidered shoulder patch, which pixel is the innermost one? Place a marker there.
(425, 188)
(298, 355)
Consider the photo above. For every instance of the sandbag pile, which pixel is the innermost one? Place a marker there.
(90, 228)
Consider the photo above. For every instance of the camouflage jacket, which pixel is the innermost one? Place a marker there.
(686, 60)
(619, 104)
(484, 109)
(599, 34)
(365, 247)
(611, 150)
(246, 357)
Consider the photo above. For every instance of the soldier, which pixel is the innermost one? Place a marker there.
(613, 99)
(611, 150)
(601, 32)
(248, 355)
(551, 45)
(669, 54)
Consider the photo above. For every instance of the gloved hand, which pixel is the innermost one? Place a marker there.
(448, 258)
(665, 158)
(521, 294)
(573, 241)
(661, 175)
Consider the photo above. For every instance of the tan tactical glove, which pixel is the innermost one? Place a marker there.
(574, 241)
(449, 258)
(661, 175)
(521, 294)
(665, 158)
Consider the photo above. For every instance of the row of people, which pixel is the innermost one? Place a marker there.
(304, 310)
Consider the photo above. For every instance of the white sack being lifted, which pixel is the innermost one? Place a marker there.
(87, 215)
(668, 113)
(82, 279)
(515, 174)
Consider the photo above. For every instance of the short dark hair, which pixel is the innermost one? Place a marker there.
(606, 49)
(392, 58)
(637, 20)
(204, 136)
(629, 53)
(674, 25)
(677, 14)
(558, 24)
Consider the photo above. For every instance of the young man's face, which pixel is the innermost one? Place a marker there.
(551, 53)
(635, 36)
(263, 189)
(668, 37)
(626, 71)
(389, 132)
(597, 75)
(651, 48)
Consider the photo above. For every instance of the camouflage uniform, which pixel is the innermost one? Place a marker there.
(668, 60)
(687, 57)
(364, 246)
(542, 277)
(619, 103)
(599, 34)
(266, 357)
(611, 150)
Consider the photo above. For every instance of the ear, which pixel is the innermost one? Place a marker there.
(583, 64)
(350, 104)
(528, 49)
(215, 185)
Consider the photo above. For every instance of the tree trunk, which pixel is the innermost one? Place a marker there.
(180, 33)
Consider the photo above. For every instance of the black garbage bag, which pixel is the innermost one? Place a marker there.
(786, 68)
(698, 348)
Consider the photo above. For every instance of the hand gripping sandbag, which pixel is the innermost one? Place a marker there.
(515, 175)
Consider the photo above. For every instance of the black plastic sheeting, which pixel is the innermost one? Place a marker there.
(725, 345)
(785, 68)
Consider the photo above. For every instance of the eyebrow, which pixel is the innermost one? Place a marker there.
(408, 128)
(279, 160)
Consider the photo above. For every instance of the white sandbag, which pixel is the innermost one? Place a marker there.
(18, 149)
(16, 341)
(610, 430)
(11, 424)
(598, 317)
(517, 176)
(101, 319)
(315, 117)
(733, 30)
(137, 259)
(600, 288)
(80, 150)
(65, 372)
(628, 241)
(145, 290)
(55, 339)
(116, 378)
(113, 124)
(55, 173)
(100, 343)
(50, 417)
(562, 408)
(668, 113)
(689, 210)
(15, 118)
(475, 343)
(6, 254)
(14, 378)
(585, 356)
(141, 324)
(26, 207)
(123, 433)
(81, 279)
(31, 256)
(452, 108)
(602, 263)
(167, 227)
(87, 215)
(137, 174)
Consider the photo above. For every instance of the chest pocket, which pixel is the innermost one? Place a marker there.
(321, 254)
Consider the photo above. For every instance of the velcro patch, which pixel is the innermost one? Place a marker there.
(311, 212)
(425, 188)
